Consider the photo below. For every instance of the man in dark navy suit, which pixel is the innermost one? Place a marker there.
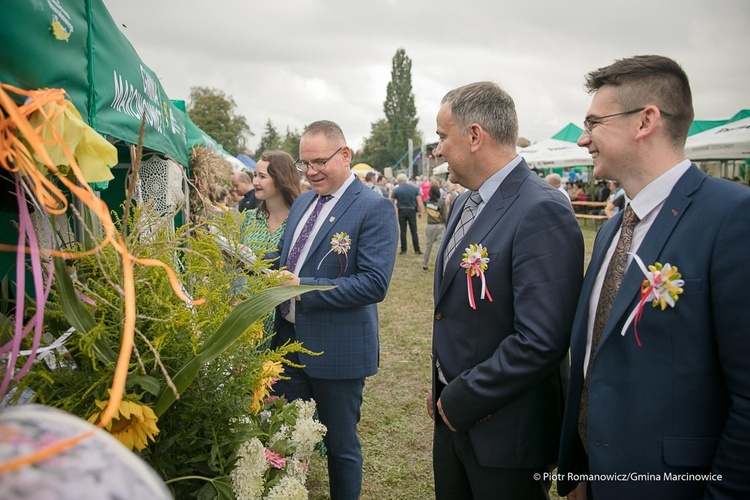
(661, 398)
(498, 350)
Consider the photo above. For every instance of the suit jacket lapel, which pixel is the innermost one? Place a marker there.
(670, 214)
(490, 216)
(342, 204)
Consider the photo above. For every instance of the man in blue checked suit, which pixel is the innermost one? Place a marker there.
(342, 323)
(664, 396)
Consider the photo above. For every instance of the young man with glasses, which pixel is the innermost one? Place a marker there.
(341, 323)
(658, 402)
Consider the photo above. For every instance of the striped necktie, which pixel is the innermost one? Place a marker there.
(468, 214)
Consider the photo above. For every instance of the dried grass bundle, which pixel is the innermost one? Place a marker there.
(208, 171)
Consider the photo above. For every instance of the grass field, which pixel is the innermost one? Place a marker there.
(395, 430)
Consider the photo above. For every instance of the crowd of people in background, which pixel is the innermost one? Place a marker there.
(413, 198)
(510, 361)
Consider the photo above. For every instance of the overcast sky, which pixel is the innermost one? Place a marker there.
(297, 61)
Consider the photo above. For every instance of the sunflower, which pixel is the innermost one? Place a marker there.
(133, 426)
(269, 374)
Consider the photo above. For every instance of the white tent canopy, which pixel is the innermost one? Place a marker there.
(554, 153)
(440, 169)
(730, 141)
(237, 165)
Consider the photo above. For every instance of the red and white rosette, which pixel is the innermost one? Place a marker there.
(662, 286)
(475, 262)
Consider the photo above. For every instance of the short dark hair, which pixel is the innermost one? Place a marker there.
(434, 192)
(244, 176)
(650, 80)
(369, 175)
(329, 129)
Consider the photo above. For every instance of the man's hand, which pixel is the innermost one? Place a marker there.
(579, 493)
(291, 278)
(430, 406)
(445, 419)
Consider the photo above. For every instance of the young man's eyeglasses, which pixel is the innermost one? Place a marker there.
(316, 165)
(593, 120)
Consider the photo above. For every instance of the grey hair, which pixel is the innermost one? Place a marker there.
(486, 104)
(554, 179)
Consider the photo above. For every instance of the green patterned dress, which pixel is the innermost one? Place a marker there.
(260, 240)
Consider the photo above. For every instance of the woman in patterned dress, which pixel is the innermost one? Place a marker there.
(277, 184)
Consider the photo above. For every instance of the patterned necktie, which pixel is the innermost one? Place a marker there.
(612, 280)
(467, 218)
(294, 253)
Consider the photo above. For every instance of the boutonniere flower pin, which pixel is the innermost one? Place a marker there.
(662, 286)
(475, 262)
(340, 245)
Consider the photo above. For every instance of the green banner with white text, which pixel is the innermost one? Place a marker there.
(78, 47)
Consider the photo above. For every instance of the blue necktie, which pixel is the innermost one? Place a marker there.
(294, 253)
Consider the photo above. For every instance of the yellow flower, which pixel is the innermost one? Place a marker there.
(134, 425)
(341, 243)
(666, 285)
(269, 374)
(272, 369)
(255, 333)
(475, 259)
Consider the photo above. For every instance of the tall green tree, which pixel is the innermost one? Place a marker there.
(375, 149)
(290, 144)
(400, 110)
(269, 140)
(215, 113)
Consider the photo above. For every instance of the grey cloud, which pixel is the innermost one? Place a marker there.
(301, 60)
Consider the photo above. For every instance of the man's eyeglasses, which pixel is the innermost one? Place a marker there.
(591, 121)
(317, 165)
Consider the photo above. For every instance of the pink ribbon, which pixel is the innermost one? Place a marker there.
(41, 289)
(469, 266)
(645, 295)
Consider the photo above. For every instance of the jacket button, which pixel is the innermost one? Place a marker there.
(438, 316)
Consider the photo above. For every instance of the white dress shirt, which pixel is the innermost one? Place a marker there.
(322, 216)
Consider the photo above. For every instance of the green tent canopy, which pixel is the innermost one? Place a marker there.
(700, 125)
(570, 133)
(195, 135)
(78, 47)
(744, 113)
